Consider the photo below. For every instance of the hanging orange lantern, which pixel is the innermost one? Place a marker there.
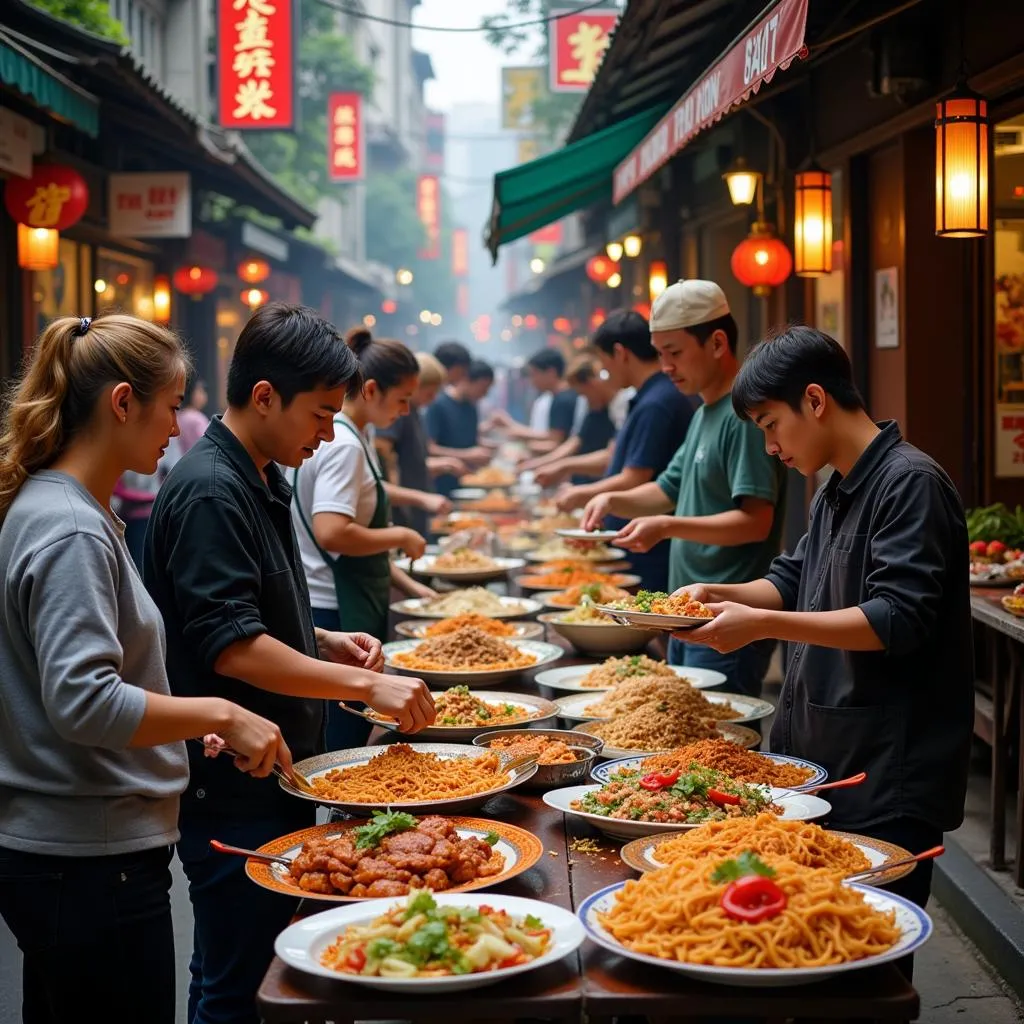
(600, 268)
(54, 197)
(254, 297)
(530, 322)
(961, 165)
(657, 278)
(253, 270)
(161, 299)
(38, 248)
(195, 280)
(812, 222)
(761, 261)
(562, 324)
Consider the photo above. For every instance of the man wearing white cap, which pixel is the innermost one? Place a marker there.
(726, 492)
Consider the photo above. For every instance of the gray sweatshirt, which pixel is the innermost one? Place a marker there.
(80, 642)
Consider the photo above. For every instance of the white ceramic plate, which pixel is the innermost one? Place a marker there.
(545, 654)
(594, 535)
(574, 708)
(741, 734)
(314, 767)
(301, 944)
(515, 608)
(425, 567)
(603, 772)
(795, 807)
(611, 555)
(915, 926)
(468, 493)
(568, 678)
(649, 620)
(534, 710)
(599, 639)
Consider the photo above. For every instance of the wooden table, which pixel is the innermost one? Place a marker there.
(999, 714)
(594, 985)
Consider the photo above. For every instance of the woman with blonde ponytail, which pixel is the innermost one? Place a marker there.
(92, 758)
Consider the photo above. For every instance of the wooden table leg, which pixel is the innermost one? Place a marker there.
(997, 803)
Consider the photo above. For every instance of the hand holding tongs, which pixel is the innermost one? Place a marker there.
(297, 780)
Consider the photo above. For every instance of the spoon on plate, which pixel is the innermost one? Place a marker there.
(853, 780)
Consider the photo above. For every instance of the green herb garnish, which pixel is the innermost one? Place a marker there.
(378, 949)
(382, 824)
(747, 863)
(422, 902)
(531, 921)
(491, 839)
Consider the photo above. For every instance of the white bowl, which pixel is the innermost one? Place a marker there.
(301, 944)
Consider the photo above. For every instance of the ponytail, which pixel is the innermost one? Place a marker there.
(73, 362)
(387, 362)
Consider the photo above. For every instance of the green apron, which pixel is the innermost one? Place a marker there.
(362, 583)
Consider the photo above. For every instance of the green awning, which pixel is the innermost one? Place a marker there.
(51, 90)
(536, 194)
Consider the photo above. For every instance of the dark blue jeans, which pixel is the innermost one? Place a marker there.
(744, 669)
(344, 731)
(95, 935)
(236, 921)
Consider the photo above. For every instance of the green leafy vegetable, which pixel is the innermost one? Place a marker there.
(382, 824)
(491, 839)
(380, 948)
(747, 863)
(427, 943)
(532, 921)
(422, 902)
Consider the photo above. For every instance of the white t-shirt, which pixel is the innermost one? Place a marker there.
(540, 412)
(338, 479)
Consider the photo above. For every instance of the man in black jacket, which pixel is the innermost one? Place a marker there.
(874, 602)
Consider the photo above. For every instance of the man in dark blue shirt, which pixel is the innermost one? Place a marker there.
(655, 427)
(453, 421)
(874, 602)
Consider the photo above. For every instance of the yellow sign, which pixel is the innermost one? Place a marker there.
(520, 89)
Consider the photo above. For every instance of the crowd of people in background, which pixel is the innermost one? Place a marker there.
(169, 577)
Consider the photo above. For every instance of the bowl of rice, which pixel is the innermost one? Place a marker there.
(592, 632)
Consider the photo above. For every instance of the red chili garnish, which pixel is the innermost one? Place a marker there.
(718, 797)
(753, 898)
(659, 780)
(356, 960)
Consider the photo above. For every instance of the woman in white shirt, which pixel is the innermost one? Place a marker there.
(342, 514)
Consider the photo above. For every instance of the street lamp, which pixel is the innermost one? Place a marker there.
(742, 183)
(425, 316)
(631, 246)
(404, 276)
(537, 265)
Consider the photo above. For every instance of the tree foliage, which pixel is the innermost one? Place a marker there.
(554, 112)
(327, 63)
(92, 15)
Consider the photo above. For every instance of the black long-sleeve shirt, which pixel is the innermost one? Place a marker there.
(889, 538)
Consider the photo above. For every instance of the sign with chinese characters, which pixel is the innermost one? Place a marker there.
(774, 43)
(256, 64)
(428, 206)
(345, 137)
(521, 87)
(15, 144)
(460, 252)
(55, 197)
(1010, 440)
(150, 205)
(576, 45)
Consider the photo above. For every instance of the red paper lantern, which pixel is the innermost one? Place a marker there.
(195, 280)
(562, 324)
(597, 318)
(600, 268)
(254, 270)
(761, 261)
(55, 197)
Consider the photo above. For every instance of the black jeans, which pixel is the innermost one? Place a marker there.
(95, 934)
(236, 922)
(915, 836)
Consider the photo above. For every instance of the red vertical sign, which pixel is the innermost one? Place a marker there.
(345, 139)
(428, 205)
(256, 64)
(460, 252)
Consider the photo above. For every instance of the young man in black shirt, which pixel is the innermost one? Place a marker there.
(222, 564)
(874, 602)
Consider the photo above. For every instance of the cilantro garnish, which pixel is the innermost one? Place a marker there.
(491, 839)
(383, 823)
(747, 863)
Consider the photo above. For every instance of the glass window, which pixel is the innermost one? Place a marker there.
(123, 283)
(57, 292)
(1009, 297)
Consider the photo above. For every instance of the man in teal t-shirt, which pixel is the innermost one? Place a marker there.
(727, 493)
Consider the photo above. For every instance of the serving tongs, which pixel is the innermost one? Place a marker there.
(297, 780)
(881, 869)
